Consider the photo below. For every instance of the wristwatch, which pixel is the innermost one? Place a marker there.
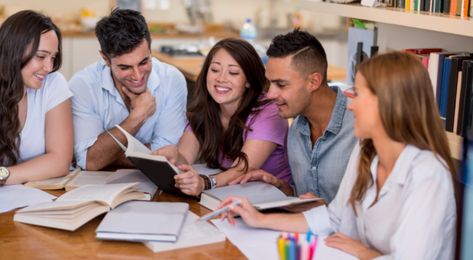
(213, 182)
(4, 174)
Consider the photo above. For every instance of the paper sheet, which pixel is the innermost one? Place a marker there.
(17, 196)
(261, 243)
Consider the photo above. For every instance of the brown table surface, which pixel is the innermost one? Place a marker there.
(23, 241)
(190, 66)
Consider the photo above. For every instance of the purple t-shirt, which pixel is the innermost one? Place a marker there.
(267, 125)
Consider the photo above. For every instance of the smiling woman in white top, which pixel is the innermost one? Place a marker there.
(396, 200)
(36, 119)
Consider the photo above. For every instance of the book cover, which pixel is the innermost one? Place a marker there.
(466, 88)
(455, 67)
(140, 221)
(156, 167)
(368, 39)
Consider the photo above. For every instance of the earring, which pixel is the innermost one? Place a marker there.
(247, 85)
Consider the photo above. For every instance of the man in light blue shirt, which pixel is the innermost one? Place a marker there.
(320, 139)
(128, 87)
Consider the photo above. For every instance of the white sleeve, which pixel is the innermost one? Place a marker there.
(56, 90)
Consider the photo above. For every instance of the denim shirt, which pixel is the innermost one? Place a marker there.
(319, 168)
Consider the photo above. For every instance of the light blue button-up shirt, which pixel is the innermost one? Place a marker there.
(319, 167)
(98, 106)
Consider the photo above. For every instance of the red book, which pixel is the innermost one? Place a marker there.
(422, 51)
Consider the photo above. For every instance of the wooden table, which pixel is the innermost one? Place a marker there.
(23, 241)
(190, 67)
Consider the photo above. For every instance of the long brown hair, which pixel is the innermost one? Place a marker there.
(204, 112)
(19, 40)
(407, 109)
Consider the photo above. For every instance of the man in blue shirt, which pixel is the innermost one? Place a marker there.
(128, 87)
(320, 139)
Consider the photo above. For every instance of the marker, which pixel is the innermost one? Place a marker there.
(219, 211)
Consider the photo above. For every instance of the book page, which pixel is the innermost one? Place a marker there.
(256, 192)
(53, 183)
(17, 196)
(134, 145)
(194, 233)
(257, 243)
(133, 175)
(101, 193)
(203, 169)
(88, 177)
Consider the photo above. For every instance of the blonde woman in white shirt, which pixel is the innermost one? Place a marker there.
(35, 109)
(396, 200)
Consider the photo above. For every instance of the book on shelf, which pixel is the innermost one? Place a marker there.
(193, 233)
(465, 97)
(76, 207)
(455, 67)
(261, 195)
(80, 178)
(141, 221)
(53, 183)
(156, 167)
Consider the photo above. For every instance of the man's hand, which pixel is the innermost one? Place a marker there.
(142, 106)
(169, 151)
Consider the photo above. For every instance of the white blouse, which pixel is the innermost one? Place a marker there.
(52, 93)
(414, 217)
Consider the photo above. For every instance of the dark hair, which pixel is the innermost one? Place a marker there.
(121, 32)
(308, 53)
(19, 40)
(204, 112)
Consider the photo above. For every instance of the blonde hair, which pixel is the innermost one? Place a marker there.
(407, 109)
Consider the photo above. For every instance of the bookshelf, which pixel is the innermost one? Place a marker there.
(421, 20)
(442, 28)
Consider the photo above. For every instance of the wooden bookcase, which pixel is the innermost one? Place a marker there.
(437, 26)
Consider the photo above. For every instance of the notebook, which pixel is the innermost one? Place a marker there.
(144, 221)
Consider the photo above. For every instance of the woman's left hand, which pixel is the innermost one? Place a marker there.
(351, 246)
(189, 181)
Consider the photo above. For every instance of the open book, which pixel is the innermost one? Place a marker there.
(260, 194)
(194, 233)
(156, 167)
(76, 207)
(144, 221)
(53, 183)
(81, 178)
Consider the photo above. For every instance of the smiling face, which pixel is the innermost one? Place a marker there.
(365, 110)
(131, 70)
(42, 62)
(225, 80)
(288, 88)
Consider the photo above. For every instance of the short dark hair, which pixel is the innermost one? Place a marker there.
(309, 54)
(121, 32)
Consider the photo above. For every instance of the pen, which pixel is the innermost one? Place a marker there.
(219, 211)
